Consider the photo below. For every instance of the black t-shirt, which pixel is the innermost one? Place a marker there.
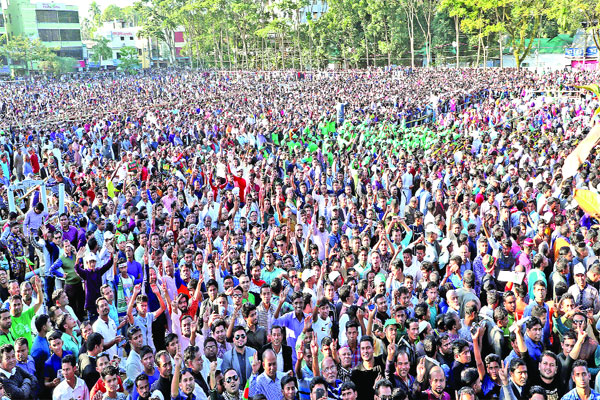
(364, 379)
(554, 391)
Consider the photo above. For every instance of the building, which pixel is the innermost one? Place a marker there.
(55, 24)
(545, 54)
(583, 54)
(151, 51)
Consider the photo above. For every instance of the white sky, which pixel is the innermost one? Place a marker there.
(84, 5)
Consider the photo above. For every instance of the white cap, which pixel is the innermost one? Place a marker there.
(108, 235)
(307, 274)
(579, 269)
(446, 242)
(89, 257)
(333, 276)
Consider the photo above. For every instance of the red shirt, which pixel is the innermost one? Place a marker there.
(99, 387)
(35, 163)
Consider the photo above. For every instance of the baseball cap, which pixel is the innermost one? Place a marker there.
(108, 235)
(578, 269)
(390, 321)
(528, 242)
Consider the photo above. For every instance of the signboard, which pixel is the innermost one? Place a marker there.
(119, 33)
(50, 6)
(591, 51)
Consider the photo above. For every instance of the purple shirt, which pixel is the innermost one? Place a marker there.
(134, 269)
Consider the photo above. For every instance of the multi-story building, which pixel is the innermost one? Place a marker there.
(55, 24)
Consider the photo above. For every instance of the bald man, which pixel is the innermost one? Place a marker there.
(437, 384)
(269, 379)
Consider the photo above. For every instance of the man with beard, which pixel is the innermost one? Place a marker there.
(548, 367)
(231, 383)
(106, 327)
(240, 356)
(397, 368)
(366, 373)
(437, 383)
(142, 387)
(165, 368)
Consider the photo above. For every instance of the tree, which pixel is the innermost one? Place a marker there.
(112, 13)
(59, 65)
(101, 51)
(20, 49)
(130, 60)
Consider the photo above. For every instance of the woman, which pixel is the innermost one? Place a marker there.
(71, 341)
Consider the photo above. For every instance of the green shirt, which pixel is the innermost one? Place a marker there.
(71, 344)
(7, 339)
(268, 276)
(21, 326)
(68, 266)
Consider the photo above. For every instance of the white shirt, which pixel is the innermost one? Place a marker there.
(64, 391)
(108, 332)
(322, 329)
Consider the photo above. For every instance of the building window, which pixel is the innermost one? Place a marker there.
(49, 35)
(1, 20)
(73, 52)
(122, 38)
(68, 17)
(130, 37)
(46, 16)
(70, 35)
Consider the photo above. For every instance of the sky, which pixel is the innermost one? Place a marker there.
(84, 5)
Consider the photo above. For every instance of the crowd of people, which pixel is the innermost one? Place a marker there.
(362, 234)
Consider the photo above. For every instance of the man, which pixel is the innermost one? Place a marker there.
(40, 351)
(397, 368)
(53, 364)
(183, 384)
(289, 387)
(581, 377)
(231, 383)
(282, 351)
(518, 379)
(257, 335)
(437, 383)
(318, 388)
(585, 295)
(165, 368)
(269, 382)
(239, 356)
(21, 320)
(133, 365)
(292, 321)
(462, 360)
(72, 387)
(349, 391)
(383, 390)
(88, 360)
(144, 319)
(192, 358)
(17, 383)
(110, 376)
(142, 387)
(102, 361)
(329, 372)
(365, 375)
(106, 327)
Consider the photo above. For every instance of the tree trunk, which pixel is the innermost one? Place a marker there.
(501, 61)
(456, 26)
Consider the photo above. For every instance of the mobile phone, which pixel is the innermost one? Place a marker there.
(320, 393)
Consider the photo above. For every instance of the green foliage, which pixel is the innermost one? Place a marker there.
(130, 60)
(100, 50)
(23, 50)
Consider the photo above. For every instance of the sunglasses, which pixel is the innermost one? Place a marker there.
(233, 378)
(242, 336)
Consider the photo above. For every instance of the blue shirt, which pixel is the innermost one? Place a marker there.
(53, 364)
(294, 330)
(40, 351)
(572, 395)
(28, 365)
(267, 386)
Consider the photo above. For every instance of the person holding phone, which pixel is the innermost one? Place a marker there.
(318, 388)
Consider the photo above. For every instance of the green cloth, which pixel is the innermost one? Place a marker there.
(71, 344)
(68, 266)
(268, 276)
(21, 325)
